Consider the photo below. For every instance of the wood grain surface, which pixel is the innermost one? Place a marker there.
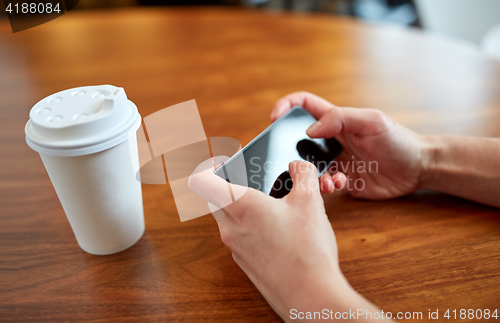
(424, 251)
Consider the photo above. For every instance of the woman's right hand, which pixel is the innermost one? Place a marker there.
(381, 158)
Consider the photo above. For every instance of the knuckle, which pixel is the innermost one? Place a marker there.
(334, 118)
(377, 114)
(380, 118)
(302, 167)
(237, 209)
(308, 166)
(226, 236)
(231, 210)
(333, 113)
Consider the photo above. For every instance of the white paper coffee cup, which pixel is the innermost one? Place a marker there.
(86, 138)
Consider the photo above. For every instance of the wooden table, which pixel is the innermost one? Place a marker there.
(421, 252)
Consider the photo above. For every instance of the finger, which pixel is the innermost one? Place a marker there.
(304, 178)
(362, 122)
(211, 187)
(339, 181)
(314, 104)
(341, 165)
(326, 184)
(332, 182)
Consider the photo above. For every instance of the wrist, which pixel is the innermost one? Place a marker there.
(329, 295)
(430, 149)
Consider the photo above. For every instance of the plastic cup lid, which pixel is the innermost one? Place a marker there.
(82, 121)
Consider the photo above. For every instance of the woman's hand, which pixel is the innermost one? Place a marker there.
(285, 246)
(381, 158)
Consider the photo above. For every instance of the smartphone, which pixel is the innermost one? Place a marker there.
(263, 163)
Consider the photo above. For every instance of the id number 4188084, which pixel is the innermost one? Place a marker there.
(463, 314)
(33, 7)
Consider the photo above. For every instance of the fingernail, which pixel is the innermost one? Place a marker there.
(313, 128)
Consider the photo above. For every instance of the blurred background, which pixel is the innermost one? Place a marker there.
(473, 21)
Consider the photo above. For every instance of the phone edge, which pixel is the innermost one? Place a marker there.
(261, 134)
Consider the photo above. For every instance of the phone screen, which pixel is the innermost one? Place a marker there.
(263, 163)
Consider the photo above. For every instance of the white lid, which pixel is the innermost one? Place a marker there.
(81, 121)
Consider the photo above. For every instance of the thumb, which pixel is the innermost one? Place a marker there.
(361, 122)
(304, 177)
(212, 188)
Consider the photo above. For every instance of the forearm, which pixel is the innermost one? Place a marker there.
(467, 167)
